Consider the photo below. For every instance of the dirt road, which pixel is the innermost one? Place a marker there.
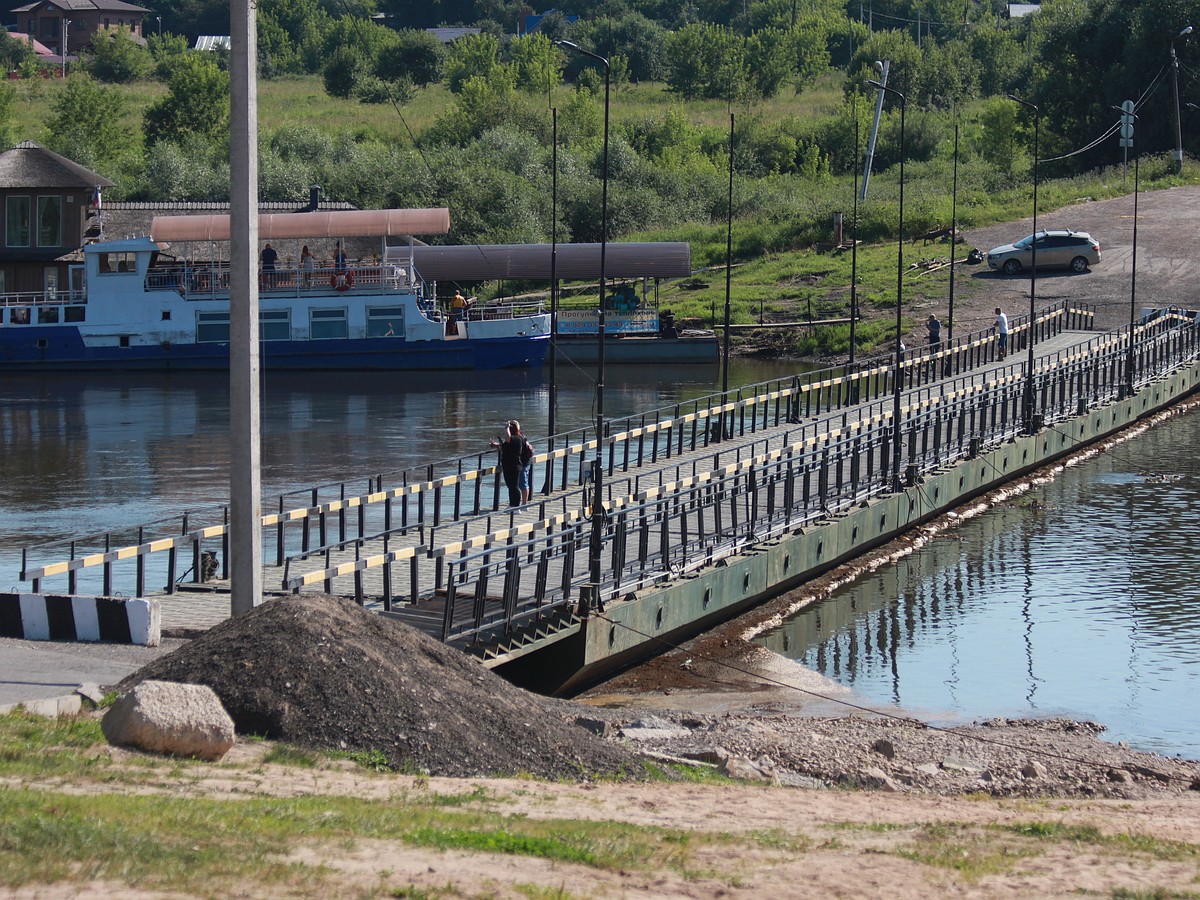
(1168, 264)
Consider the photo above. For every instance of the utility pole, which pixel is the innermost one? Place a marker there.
(245, 474)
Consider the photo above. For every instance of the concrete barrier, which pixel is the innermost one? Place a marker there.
(45, 617)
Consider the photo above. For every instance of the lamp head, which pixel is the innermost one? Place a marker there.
(570, 45)
(1187, 30)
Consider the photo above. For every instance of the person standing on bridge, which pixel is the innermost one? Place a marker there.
(1002, 331)
(516, 455)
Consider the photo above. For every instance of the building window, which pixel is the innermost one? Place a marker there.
(17, 222)
(49, 221)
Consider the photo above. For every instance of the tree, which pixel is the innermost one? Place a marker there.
(8, 100)
(14, 52)
(706, 61)
(538, 62)
(197, 103)
(166, 50)
(85, 123)
(773, 53)
(343, 71)
(470, 56)
(415, 55)
(117, 58)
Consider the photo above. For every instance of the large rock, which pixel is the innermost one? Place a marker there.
(166, 717)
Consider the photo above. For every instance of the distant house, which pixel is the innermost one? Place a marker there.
(213, 42)
(50, 204)
(67, 26)
(533, 21)
(44, 53)
(448, 34)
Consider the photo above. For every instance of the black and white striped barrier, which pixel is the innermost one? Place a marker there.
(118, 620)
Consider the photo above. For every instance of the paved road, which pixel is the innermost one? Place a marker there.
(37, 670)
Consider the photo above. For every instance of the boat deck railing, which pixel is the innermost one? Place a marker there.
(206, 280)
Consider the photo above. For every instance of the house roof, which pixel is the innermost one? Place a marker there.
(213, 42)
(83, 6)
(30, 165)
(38, 47)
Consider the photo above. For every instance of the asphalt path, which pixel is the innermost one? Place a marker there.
(42, 670)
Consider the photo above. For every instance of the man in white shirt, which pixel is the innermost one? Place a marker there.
(1002, 330)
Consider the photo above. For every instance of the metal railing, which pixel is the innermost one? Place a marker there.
(461, 490)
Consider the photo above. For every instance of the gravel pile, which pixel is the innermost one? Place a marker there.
(1001, 757)
(321, 672)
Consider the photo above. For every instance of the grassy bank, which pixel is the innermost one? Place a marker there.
(273, 820)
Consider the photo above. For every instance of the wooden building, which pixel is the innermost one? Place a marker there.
(50, 204)
(67, 26)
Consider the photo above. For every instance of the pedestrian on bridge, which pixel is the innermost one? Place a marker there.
(1002, 331)
(516, 462)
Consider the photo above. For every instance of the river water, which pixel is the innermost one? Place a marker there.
(84, 455)
(1077, 599)
(1080, 599)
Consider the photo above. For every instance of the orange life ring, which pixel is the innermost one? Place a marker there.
(342, 281)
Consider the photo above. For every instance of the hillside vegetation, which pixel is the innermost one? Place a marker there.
(382, 116)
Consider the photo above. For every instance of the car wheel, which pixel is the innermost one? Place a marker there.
(1011, 267)
(1079, 264)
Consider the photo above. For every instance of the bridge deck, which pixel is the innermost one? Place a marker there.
(199, 607)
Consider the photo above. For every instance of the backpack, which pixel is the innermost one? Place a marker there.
(526, 452)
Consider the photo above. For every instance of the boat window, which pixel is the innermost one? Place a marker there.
(73, 313)
(274, 324)
(327, 324)
(17, 215)
(19, 315)
(117, 262)
(47, 315)
(212, 327)
(49, 221)
(385, 321)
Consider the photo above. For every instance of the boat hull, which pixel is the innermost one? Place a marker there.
(630, 350)
(60, 348)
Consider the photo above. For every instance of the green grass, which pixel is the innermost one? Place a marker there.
(1089, 835)
(204, 845)
(200, 844)
(969, 853)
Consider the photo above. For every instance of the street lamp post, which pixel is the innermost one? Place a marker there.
(67, 29)
(898, 385)
(597, 511)
(1178, 153)
(1031, 329)
(159, 20)
(953, 239)
(854, 248)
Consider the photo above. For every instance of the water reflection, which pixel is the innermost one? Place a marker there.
(85, 455)
(1080, 599)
